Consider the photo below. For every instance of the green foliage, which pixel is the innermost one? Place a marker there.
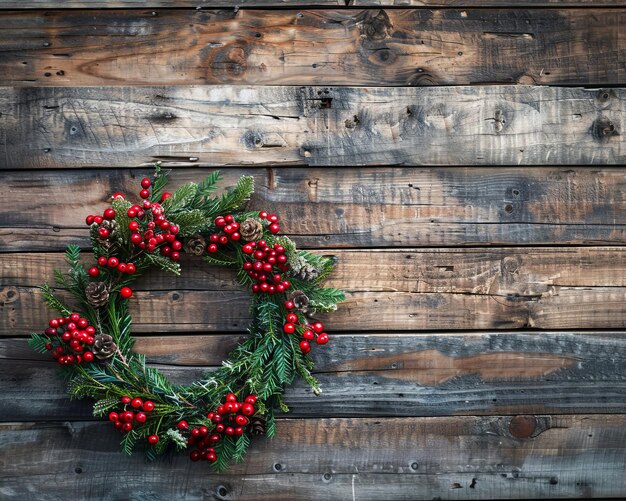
(163, 262)
(160, 180)
(190, 222)
(208, 186)
(53, 302)
(181, 199)
(38, 342)
(121, 218)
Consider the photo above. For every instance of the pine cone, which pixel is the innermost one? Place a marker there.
(304, 270)
(195, 245)
(300, 300)
(97, 294)
(251, 230)
(110, 225)
(257, 425)
(104, 347)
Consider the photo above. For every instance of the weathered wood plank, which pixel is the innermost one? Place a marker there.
(154, 4)
(481, 125)
(387, 290)
(303, 47)
(350, 207)
(377, 375)
(324, 459)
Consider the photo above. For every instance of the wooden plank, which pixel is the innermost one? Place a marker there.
(544, 288)
(350, 207)
(244, 4)
(324, 459)
(377, 375)
(302, 47)
(480, 125)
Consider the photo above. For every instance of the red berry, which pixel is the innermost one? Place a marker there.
(136, 403)
(247, 409)
(145, 183)
(308, 335)
(322, 338)
(127, 427)
(212, 248)
(121, 267)
(230, 430)
(146, 205)
(247, 249)
(195, 433)
(88, 356)
(118, 194)
(127, 416)
(130, 268)
(251, 399)
(220, 221)
(182, 425)
(211, 457)
(236, 236)
(174, 229)
(148, 406)
(103, 232)
(318, 327)
(136, 238)
(141, 417)
(272, 218)
(223, 240)
(109, 214)
(274, 228)
(131, 213)
(176, 245)
(305, 346)
(49, 346)
(89, 220)
(263, 214)
(125, 399)
(93, 271)
(54, 323)
(195, 456)
(165, 196)
(231, 397)
(175, 256)
(229, 218)
(144, 193)
(292, 317)
(98, 219)
(126, 292)
(112, 262)
(133, 226)
(153, 439)
(241, 420)
(289, 328)
(114, 416)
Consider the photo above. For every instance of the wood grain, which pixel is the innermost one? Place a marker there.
(244, 4)
(386, 290)
(373, 47)
(324, 459)
(350, 207)
(376, 375)
(135, 126)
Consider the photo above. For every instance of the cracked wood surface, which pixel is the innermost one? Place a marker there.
(329, 126)
(348, 207)
(328, 459)
(406, 289)
(298, 47)
(407, 374)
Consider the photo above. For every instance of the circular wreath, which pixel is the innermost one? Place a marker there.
(216, 416)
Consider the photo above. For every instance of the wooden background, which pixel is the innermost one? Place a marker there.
(464, 166)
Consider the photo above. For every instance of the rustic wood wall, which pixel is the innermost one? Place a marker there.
(463, 164)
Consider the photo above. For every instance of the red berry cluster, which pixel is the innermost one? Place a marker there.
(108, 215)
(309, 331)
(134, 409)
(150, 228)
(272, 219)
(267, 266)
(69, 337)
(229, 232)
(113, 263)
(231, 418)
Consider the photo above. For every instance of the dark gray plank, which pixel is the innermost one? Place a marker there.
(311, 47)
(135, 126)
(378, 375)
(329, 459)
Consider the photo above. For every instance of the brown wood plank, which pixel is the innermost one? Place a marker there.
(350, 207)
(386, 290)
(155, 4)
(376, 375)
(480, 125)
(324, 459)
(373, 47)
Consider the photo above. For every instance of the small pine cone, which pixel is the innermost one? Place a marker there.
(97, 294)
(257, 425)
(300, 300)
(251, 230)
(104, 347)
(195, 245)
(304, 270)
(110, 225)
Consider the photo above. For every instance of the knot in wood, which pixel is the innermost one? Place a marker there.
(603, 128)
(376, 27)
(522, 426)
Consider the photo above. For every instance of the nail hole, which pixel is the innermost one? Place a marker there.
(414, 466)
(508, 208)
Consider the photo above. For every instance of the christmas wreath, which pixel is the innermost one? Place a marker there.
(214, 417)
